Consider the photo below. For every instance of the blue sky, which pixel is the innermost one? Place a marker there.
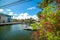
(28, 8)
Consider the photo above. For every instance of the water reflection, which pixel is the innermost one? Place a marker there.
(4, 30)
(14, 32)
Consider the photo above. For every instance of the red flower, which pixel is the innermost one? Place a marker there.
(38, 32)
(58, 22)
(50, 30)
(46, 23)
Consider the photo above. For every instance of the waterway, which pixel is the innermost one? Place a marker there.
(14, 32)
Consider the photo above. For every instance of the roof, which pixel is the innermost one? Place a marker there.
(5, 15)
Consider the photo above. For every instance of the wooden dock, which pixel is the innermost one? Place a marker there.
(11, 23)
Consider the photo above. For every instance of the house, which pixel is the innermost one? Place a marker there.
(5, 18)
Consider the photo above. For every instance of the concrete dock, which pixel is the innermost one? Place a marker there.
(11, 23)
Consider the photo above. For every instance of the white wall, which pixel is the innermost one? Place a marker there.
(3, 18)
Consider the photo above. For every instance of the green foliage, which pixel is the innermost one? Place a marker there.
(45, 3)
(39, 14)
(34, 26)
(49, 21)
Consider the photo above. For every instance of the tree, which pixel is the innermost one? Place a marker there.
(49, 20)
(39, 13)
(45, 3)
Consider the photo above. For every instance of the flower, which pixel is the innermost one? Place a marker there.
(49, 30)
(46, 23)
(58, 22)
(38, 32)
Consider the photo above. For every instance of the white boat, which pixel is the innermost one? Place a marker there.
(28, 28)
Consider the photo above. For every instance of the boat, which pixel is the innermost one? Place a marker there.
(29, 28)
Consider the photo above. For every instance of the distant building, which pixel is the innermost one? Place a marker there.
(5, 18)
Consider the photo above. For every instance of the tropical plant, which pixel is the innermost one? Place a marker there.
(49, 27)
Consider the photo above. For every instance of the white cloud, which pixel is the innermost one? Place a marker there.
(9, 10)
(27, 16)
(23, 16)
(14, 17)
(15, 14)
(1, 10)
(10, 13)
(31, 8)
(34, 17)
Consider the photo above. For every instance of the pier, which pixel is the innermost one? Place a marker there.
(10, 23)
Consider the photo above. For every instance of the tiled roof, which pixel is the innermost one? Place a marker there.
(5, 15)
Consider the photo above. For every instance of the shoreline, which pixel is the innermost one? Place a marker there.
(10, 23)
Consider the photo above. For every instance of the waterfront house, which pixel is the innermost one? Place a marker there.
(5, 18)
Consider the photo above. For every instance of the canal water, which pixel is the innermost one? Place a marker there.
(14, 32)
